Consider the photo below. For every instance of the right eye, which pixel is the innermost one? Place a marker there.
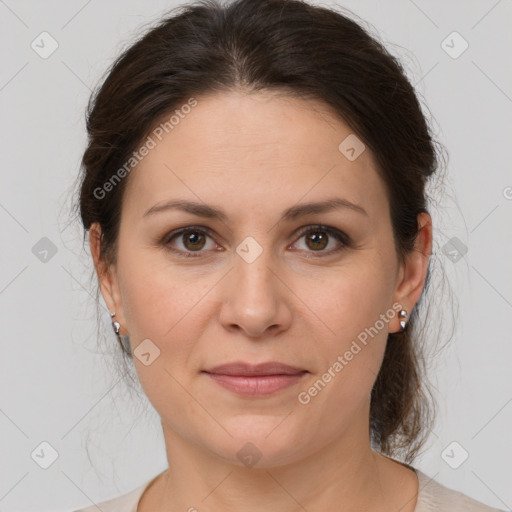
(193, 240)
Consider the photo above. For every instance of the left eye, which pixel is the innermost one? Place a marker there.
(317, 239)
(193, 240)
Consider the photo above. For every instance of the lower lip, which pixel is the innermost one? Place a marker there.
(256, 386)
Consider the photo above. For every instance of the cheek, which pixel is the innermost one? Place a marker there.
(355, 296)
(356, 307)
(157, 297)
(351, 357)
(163, 305)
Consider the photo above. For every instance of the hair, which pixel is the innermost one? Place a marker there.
(304, 51)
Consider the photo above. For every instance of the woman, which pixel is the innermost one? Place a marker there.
(254, 194)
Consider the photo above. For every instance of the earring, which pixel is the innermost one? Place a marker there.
(123, 340)
(115, 325)
(402, 314)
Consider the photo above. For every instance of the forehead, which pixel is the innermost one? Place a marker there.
(253, 152)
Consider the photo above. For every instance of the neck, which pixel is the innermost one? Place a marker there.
(346, 474)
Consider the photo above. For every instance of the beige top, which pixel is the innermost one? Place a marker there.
(432, 496)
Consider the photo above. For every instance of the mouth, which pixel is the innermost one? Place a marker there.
(255, 380)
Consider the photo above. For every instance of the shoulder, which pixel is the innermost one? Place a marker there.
(433, 496)
(126, 503)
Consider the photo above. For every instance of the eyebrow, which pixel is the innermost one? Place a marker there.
(290, 214)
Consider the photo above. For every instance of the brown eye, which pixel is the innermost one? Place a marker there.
(193, 240)
(317, 238)
(188, 241)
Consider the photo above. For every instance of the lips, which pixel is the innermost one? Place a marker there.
(242, 369)
(253, 381)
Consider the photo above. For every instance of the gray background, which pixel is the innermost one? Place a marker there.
(59, 387)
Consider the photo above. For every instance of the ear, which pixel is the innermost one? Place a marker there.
(413, 271)
(107, 277)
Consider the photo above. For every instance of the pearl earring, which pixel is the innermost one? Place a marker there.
(123, 340)
(402, 314)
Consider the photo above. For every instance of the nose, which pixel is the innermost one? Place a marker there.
(256, 299)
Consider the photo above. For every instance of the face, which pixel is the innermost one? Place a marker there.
(269, 280)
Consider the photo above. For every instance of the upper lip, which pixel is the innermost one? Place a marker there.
(246, 369)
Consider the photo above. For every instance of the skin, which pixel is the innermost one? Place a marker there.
(253, 156)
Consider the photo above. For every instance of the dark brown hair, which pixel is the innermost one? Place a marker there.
(305, 51)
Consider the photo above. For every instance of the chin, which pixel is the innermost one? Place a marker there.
(259, 442)
(263, 428)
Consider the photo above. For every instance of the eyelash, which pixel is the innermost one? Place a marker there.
(331, 232)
